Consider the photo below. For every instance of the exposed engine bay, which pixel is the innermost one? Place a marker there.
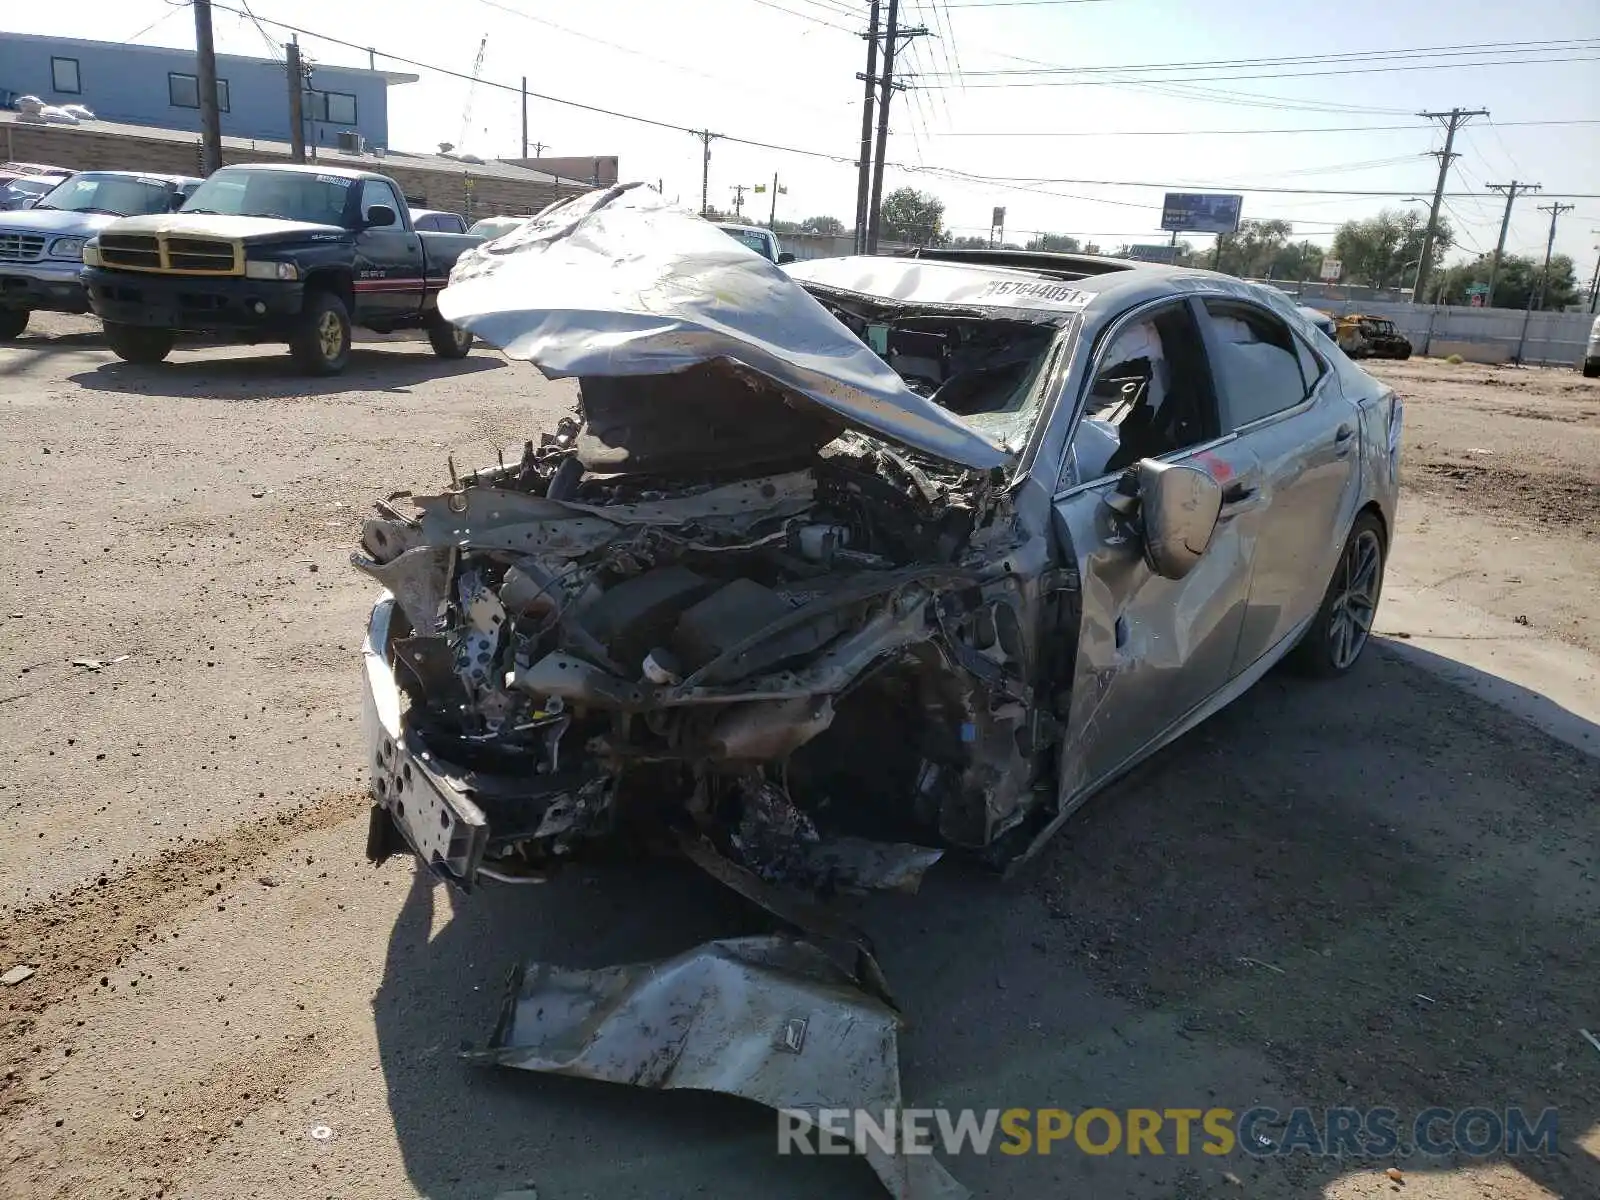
(819, 661)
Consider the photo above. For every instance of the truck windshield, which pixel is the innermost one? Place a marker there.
(755, 239)
(118, 195)
(287, 195)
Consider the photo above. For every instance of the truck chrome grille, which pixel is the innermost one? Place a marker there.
(199, 254)
(139, 251)
(171, 254)
(21, 247)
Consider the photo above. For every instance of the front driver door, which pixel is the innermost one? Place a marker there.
(1151, 651)
(388, 283)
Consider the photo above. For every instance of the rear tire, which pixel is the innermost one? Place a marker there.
(1591, 368)
(138, 343)
(12, 322)
(448, 341)
(1343, 624)
(320, 344)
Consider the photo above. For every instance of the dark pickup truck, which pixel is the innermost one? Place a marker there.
(266, 253)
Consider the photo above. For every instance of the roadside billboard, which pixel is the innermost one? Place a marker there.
(1196, 212)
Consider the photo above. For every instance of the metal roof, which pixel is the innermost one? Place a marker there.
(329, 158)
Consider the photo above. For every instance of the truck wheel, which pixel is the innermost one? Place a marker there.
(449, 341)
(137, 343)
(321, 341)
(12, 322)
(1591, 368)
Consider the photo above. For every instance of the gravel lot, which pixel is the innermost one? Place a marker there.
(1375, 892)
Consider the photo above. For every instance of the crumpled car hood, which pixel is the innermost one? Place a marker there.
(620, 283)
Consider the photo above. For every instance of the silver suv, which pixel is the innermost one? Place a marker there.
(41, 248)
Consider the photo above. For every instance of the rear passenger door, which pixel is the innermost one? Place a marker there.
(1283, 402)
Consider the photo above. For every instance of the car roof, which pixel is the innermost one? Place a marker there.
(307, 169)
(142, 175)
(434, 212)
(29, 168)
(1023, 284)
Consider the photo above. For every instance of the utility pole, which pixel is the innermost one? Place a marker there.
(1555, 209)
(297, 95)
(891, 40)
(1512, 190)
(524, 116)
(1453, 120)
(706, 137)
(1594, 283)
(738, 199)
(206, 81)
(772, 213)
(864, 166)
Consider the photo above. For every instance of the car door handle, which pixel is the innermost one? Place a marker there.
(1238, 498)
(1341, 439)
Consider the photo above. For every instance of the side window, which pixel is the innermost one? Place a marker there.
(423, 224)
(375, 191)
(1312, 368)
(1258, 362)
(1149, 394)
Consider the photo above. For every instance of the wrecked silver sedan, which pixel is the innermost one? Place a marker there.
(841, 566)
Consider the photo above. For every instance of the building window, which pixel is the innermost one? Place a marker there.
(336, 108)
(64, 75)
(184, 91)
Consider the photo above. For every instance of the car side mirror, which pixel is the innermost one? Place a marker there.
(380, 216)
(1180, 505)
(785, 259)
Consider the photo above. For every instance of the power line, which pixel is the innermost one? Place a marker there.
(1019, 3)
(1005, 183)
(1455, 49)
(1450, 66)
(172, 11)
(802, 16)
(1094, 133)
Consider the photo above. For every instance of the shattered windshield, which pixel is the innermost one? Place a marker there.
(752, 238)
(986, 371)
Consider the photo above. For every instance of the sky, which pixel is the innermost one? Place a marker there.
(782, 72)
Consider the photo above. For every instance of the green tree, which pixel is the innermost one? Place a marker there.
(1384, 251)
(1516, 281)
(967, 242)
(824, 224)
(1059, 243)
(1249, 252)
(908, 215)
(1297, 260)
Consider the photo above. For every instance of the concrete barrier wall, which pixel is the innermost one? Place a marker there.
(1481, 334)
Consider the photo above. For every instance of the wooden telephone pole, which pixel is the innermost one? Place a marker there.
(206, 81)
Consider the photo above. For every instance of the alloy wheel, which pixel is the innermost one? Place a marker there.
(1356, 599)
(330, 335)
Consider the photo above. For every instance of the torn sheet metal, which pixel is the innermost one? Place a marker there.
(620, 283)
(769, 1019)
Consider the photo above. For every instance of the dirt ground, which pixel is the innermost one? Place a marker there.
(1377, 892)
